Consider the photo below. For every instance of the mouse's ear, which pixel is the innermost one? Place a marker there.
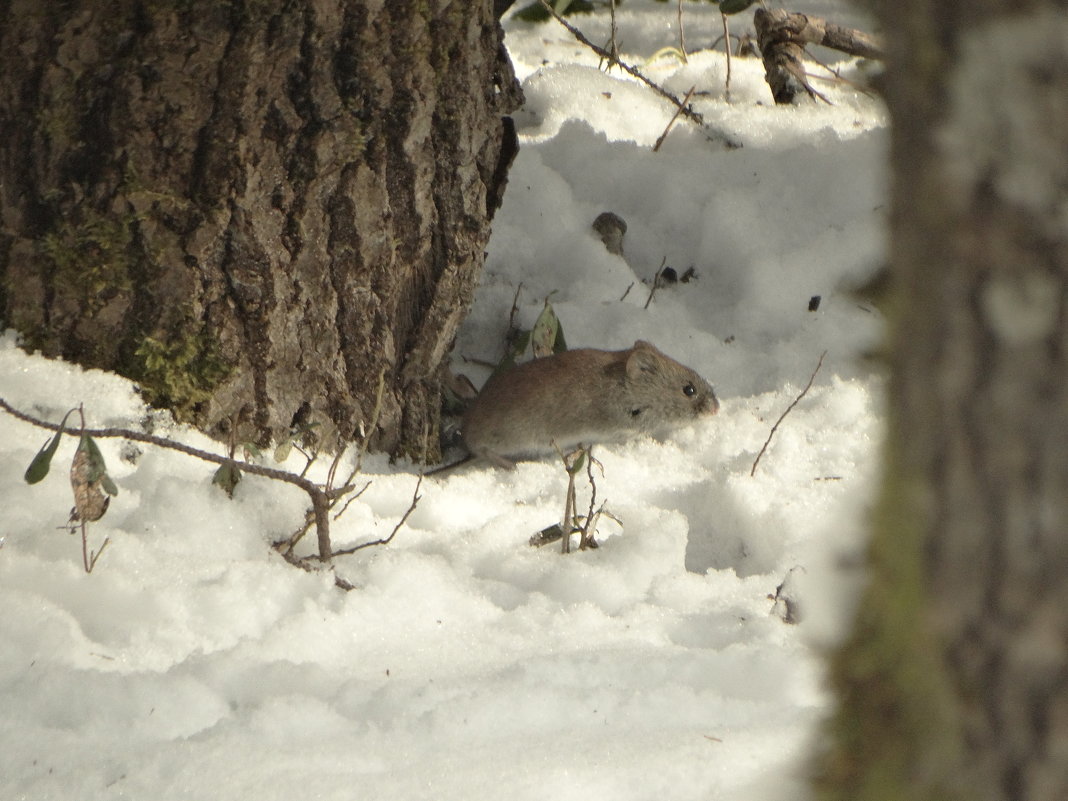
(641, 344)
(643, 360)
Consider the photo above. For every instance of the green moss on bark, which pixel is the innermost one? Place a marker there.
(180, 373)
(90, 259)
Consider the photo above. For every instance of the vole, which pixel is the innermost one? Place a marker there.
(582, 396)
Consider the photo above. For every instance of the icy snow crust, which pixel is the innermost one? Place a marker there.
(194, 663)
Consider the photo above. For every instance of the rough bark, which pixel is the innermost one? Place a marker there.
(782, 37)
(253, 208)
(954, 683)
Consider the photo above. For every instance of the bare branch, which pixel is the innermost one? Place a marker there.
(775, 427)
(350, 499)
(613, 47)
(589, 527)
(782, 37)
(682, 36)
(386, 540)
(727, 47)
(656, 282)
(319, 498)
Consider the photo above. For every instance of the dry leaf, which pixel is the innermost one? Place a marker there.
(90, 502)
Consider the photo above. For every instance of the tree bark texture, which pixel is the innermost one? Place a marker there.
(782, 37)
(254, 208)
(954, 683)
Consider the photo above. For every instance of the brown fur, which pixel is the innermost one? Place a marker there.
(583, 396)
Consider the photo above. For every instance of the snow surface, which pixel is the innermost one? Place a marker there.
(194, 663)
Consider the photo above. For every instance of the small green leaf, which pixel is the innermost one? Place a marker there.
(109, 485)
(97, 468)
(519, 346)
(281, 453)
(560, 345)
(666, 51)
(578, 464)
(729, 7)
(543, 335)
(227, 477)
(536, 12)
(38, 468)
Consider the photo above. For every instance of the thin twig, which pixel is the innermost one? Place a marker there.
(515, 307)
(727, 42)
(682, 37)
(775, 427)
(285, 547)
(89, 560)
(568, 524)
(163, 442)
(386, 540)
(837, 76)
(671, 122)
(693, 115)
(589, 528)
(613, 45)
(351, 498)
(331, 472)
(687, 111)
(366, 432)
(656, 282)
(309, 458)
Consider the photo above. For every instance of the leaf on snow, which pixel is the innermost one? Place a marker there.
(90, 502)
(226, 478)
(38, 468)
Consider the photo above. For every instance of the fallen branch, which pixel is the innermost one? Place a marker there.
(386, 540)
(789, 408)
(782, 37)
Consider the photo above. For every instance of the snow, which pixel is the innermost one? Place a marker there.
(195, 663)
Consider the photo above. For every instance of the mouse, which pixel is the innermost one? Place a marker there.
(582, 396)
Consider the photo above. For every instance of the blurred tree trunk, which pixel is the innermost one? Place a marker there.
(954, 683)
(253, 208)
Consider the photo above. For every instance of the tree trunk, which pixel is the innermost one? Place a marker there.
(954, 683)
(253, 208)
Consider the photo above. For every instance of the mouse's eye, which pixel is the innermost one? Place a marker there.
(689, 390)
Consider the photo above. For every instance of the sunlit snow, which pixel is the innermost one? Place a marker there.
(194, 663)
